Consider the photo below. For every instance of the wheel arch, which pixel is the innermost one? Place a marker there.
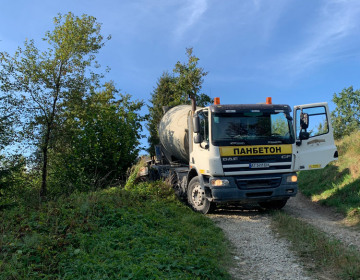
(193, 173)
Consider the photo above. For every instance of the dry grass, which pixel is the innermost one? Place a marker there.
(349, 151)
(337, 185)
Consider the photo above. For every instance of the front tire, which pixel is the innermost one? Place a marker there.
(197, 197)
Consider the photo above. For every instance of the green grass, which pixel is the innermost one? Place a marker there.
(321, 254)
(337, 185)
(139, 233)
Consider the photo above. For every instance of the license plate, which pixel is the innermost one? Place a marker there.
(259, 165)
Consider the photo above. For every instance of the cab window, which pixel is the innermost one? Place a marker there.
(318, 122)
(204, 125)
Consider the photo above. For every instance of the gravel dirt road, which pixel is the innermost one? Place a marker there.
(260, 254)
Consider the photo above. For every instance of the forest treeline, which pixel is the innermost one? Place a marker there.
(64, 127)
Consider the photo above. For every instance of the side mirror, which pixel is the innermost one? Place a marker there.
(196, 122)
(198, 138)
(304, 120)
(304, 135)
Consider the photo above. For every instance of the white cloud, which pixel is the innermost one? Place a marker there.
(284, 40)
(329, 37)
(189, 15)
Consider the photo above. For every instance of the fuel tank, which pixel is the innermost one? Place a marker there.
(174, 134)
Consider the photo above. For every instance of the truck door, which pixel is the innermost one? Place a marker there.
(314, 147)
(200, 155)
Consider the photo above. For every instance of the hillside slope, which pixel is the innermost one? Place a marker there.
(140, 233)
(338, 184)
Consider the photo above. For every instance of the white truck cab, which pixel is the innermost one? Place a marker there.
(242, 153)
(251, 152)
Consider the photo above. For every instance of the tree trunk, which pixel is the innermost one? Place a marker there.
(49, 125)
(193, 102)
(43, 190)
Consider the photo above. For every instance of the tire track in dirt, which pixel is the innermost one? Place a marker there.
(323, 218)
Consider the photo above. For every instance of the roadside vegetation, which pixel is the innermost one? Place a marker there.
(337, 185)
(138, 232)
(321, 255)
(63, 126)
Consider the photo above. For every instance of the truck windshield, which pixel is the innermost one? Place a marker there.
(251, 128)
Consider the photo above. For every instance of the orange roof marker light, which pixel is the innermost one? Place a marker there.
(268, 100)
(217, 101)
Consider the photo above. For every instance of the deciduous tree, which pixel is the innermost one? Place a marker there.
(190, 79)
(44, 80)
(98, 143)
(6, 121)
(163, 95)
(174, 89)
(346, 116)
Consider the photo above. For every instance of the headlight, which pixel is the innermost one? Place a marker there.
(219, 182)
(291, 179)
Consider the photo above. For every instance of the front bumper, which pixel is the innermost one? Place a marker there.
(249, 189)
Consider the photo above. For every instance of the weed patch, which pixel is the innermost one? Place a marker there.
(337, 185)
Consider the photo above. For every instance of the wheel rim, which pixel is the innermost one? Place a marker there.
(198, 196)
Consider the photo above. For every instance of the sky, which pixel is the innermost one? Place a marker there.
(297, 52)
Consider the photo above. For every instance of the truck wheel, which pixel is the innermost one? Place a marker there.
(174, 182)
(197, 198)
(273, 205)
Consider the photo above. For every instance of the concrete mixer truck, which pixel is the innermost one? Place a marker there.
(245, 154)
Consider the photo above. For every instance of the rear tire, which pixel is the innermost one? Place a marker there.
(175, 184)
(274, 204)
(197, 197)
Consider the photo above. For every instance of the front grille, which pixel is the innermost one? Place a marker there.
(242, 164)
(234, 169)
(248, 159)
